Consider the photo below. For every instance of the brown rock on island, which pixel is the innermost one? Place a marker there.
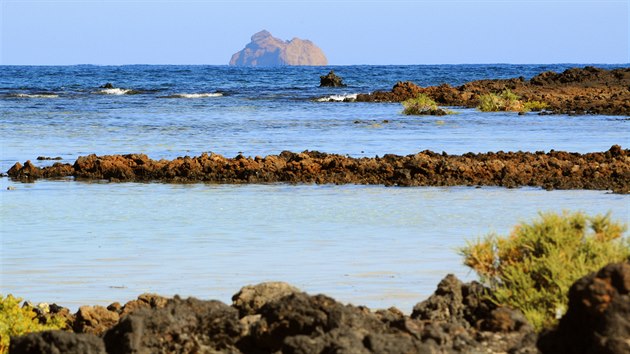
(267, 50)
(608, 170)
(587, 90)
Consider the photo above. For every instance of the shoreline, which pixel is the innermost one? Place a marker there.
(609, 170)
(276, 317)
(587, 90)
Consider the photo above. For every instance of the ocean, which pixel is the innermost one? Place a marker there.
(76, 243)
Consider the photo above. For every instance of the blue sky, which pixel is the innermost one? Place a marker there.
(349, 32)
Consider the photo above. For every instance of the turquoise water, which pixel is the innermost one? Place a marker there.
(95, 243)
(77, 243)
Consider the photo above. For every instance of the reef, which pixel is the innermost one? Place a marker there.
(609, 170)
(587, 90)
(276, 317)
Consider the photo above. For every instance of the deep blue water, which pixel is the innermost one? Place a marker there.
(61, 111)
(86, 243)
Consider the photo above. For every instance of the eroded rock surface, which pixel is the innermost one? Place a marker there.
(608, 170)
(598, 316)
(278, 318)
(587, 90)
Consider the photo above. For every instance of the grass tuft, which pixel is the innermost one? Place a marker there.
(422, 105)
(533, 268)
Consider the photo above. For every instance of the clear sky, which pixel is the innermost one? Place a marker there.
(348, 31)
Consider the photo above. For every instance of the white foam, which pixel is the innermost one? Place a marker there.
(27, 95)
(195, 95)
(113, 91)
(338, 98)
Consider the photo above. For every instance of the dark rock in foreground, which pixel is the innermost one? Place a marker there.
(57, 342)
(608, 170)
(587, 90)
(278, 318)
(598, 319)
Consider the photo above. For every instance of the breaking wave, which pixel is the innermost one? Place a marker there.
(339, 98)
(114, 91)
(194, 95)
(33, 95)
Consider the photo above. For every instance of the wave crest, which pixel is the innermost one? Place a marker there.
(194, 95)
(339, 98)
(33, 95)
(114, 91)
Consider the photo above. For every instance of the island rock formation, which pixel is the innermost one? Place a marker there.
(266, 50)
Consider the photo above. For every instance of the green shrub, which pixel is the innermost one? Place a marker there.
(535, 106)
(16, 320)
(420, 105)
(496, 102)
(533, 268)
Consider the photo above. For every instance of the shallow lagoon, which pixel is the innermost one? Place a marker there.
(77, 243)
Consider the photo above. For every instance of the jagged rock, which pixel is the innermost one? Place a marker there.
(251, 298)
(53, 342)
(553, 170)
(94, 319)
(266, 50)
(182, 326)
(587, 90)
(462, 317)
(144, 301)
(331, 80)
(598, 316)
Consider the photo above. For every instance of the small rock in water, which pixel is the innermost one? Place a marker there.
(42, 158)
(331, 80)
(107, 86)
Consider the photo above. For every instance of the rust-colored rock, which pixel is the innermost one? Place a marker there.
(598, 316)
(266, 50)
(94, 319)
(587, 90)
(608, 170)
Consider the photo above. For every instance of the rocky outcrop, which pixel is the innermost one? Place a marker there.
(587, 90)
(608, 170)
(266, 50)
(278, 318)
(598, 316)
(331, 80)
(57, 342)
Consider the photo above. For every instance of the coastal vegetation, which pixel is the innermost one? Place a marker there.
(507, 101)
(422, 105)
(533, 268)
(17, 320)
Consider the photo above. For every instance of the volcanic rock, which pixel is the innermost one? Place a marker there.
(331, 80)
(598, 316)
(251, 298)
(266, 50)
(94, 319)
(57, 342)
(182, 326)
(587, 90)
(552, 170)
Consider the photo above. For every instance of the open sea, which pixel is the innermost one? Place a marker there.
(76, 243)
